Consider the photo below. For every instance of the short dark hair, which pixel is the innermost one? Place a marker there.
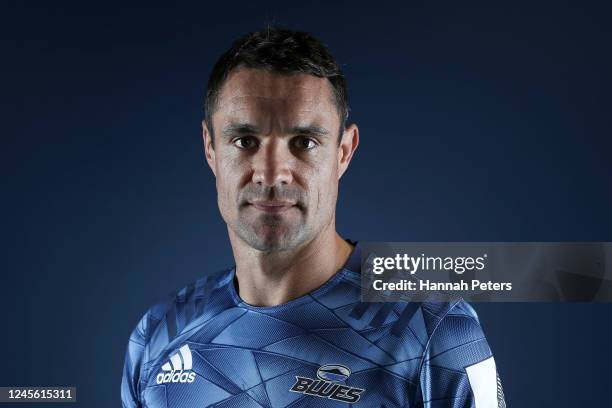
(281, 51)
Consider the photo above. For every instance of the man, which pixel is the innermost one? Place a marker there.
(285, 326)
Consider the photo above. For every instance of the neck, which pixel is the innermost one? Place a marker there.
(271, 279)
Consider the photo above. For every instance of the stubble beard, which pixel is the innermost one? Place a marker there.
(272, 232)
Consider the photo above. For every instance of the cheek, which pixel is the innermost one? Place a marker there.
(323, 183)
(228, 180)
(328, 173)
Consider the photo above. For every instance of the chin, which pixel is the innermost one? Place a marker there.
(274, 239)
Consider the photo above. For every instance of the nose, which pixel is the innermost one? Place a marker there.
(271, 164)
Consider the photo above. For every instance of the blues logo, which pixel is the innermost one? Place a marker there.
(326, 385)
(333, 372)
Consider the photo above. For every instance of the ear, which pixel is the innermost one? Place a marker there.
(348, 145)
(209, 150)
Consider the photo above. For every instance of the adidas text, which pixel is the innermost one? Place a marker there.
(176, 377)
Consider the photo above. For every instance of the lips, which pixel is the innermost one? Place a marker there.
(272, 206)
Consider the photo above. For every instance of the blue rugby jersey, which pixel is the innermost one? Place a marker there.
(205, 347)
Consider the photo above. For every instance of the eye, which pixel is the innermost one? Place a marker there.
(304, 143)
(247, 142)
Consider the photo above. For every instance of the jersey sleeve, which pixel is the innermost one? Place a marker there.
(132, 367)
(458, 368)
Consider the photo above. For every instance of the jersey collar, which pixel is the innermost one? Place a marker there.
(353, 263)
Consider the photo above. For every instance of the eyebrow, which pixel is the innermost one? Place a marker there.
(234, 129)
(239, 129)
(309, 130)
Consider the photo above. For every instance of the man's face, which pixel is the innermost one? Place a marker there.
(276, 157)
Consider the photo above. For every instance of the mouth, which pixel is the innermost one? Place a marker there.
(272, 207)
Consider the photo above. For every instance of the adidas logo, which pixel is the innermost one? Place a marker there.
(178, 369)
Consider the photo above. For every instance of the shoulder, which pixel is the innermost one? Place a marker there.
(454, 321)
(163, 321)
(458, 364)
(456, 338)
(438, 315)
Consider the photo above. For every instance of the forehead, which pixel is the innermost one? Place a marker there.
(255, 91)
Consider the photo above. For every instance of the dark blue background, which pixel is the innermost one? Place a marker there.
(477, 123)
